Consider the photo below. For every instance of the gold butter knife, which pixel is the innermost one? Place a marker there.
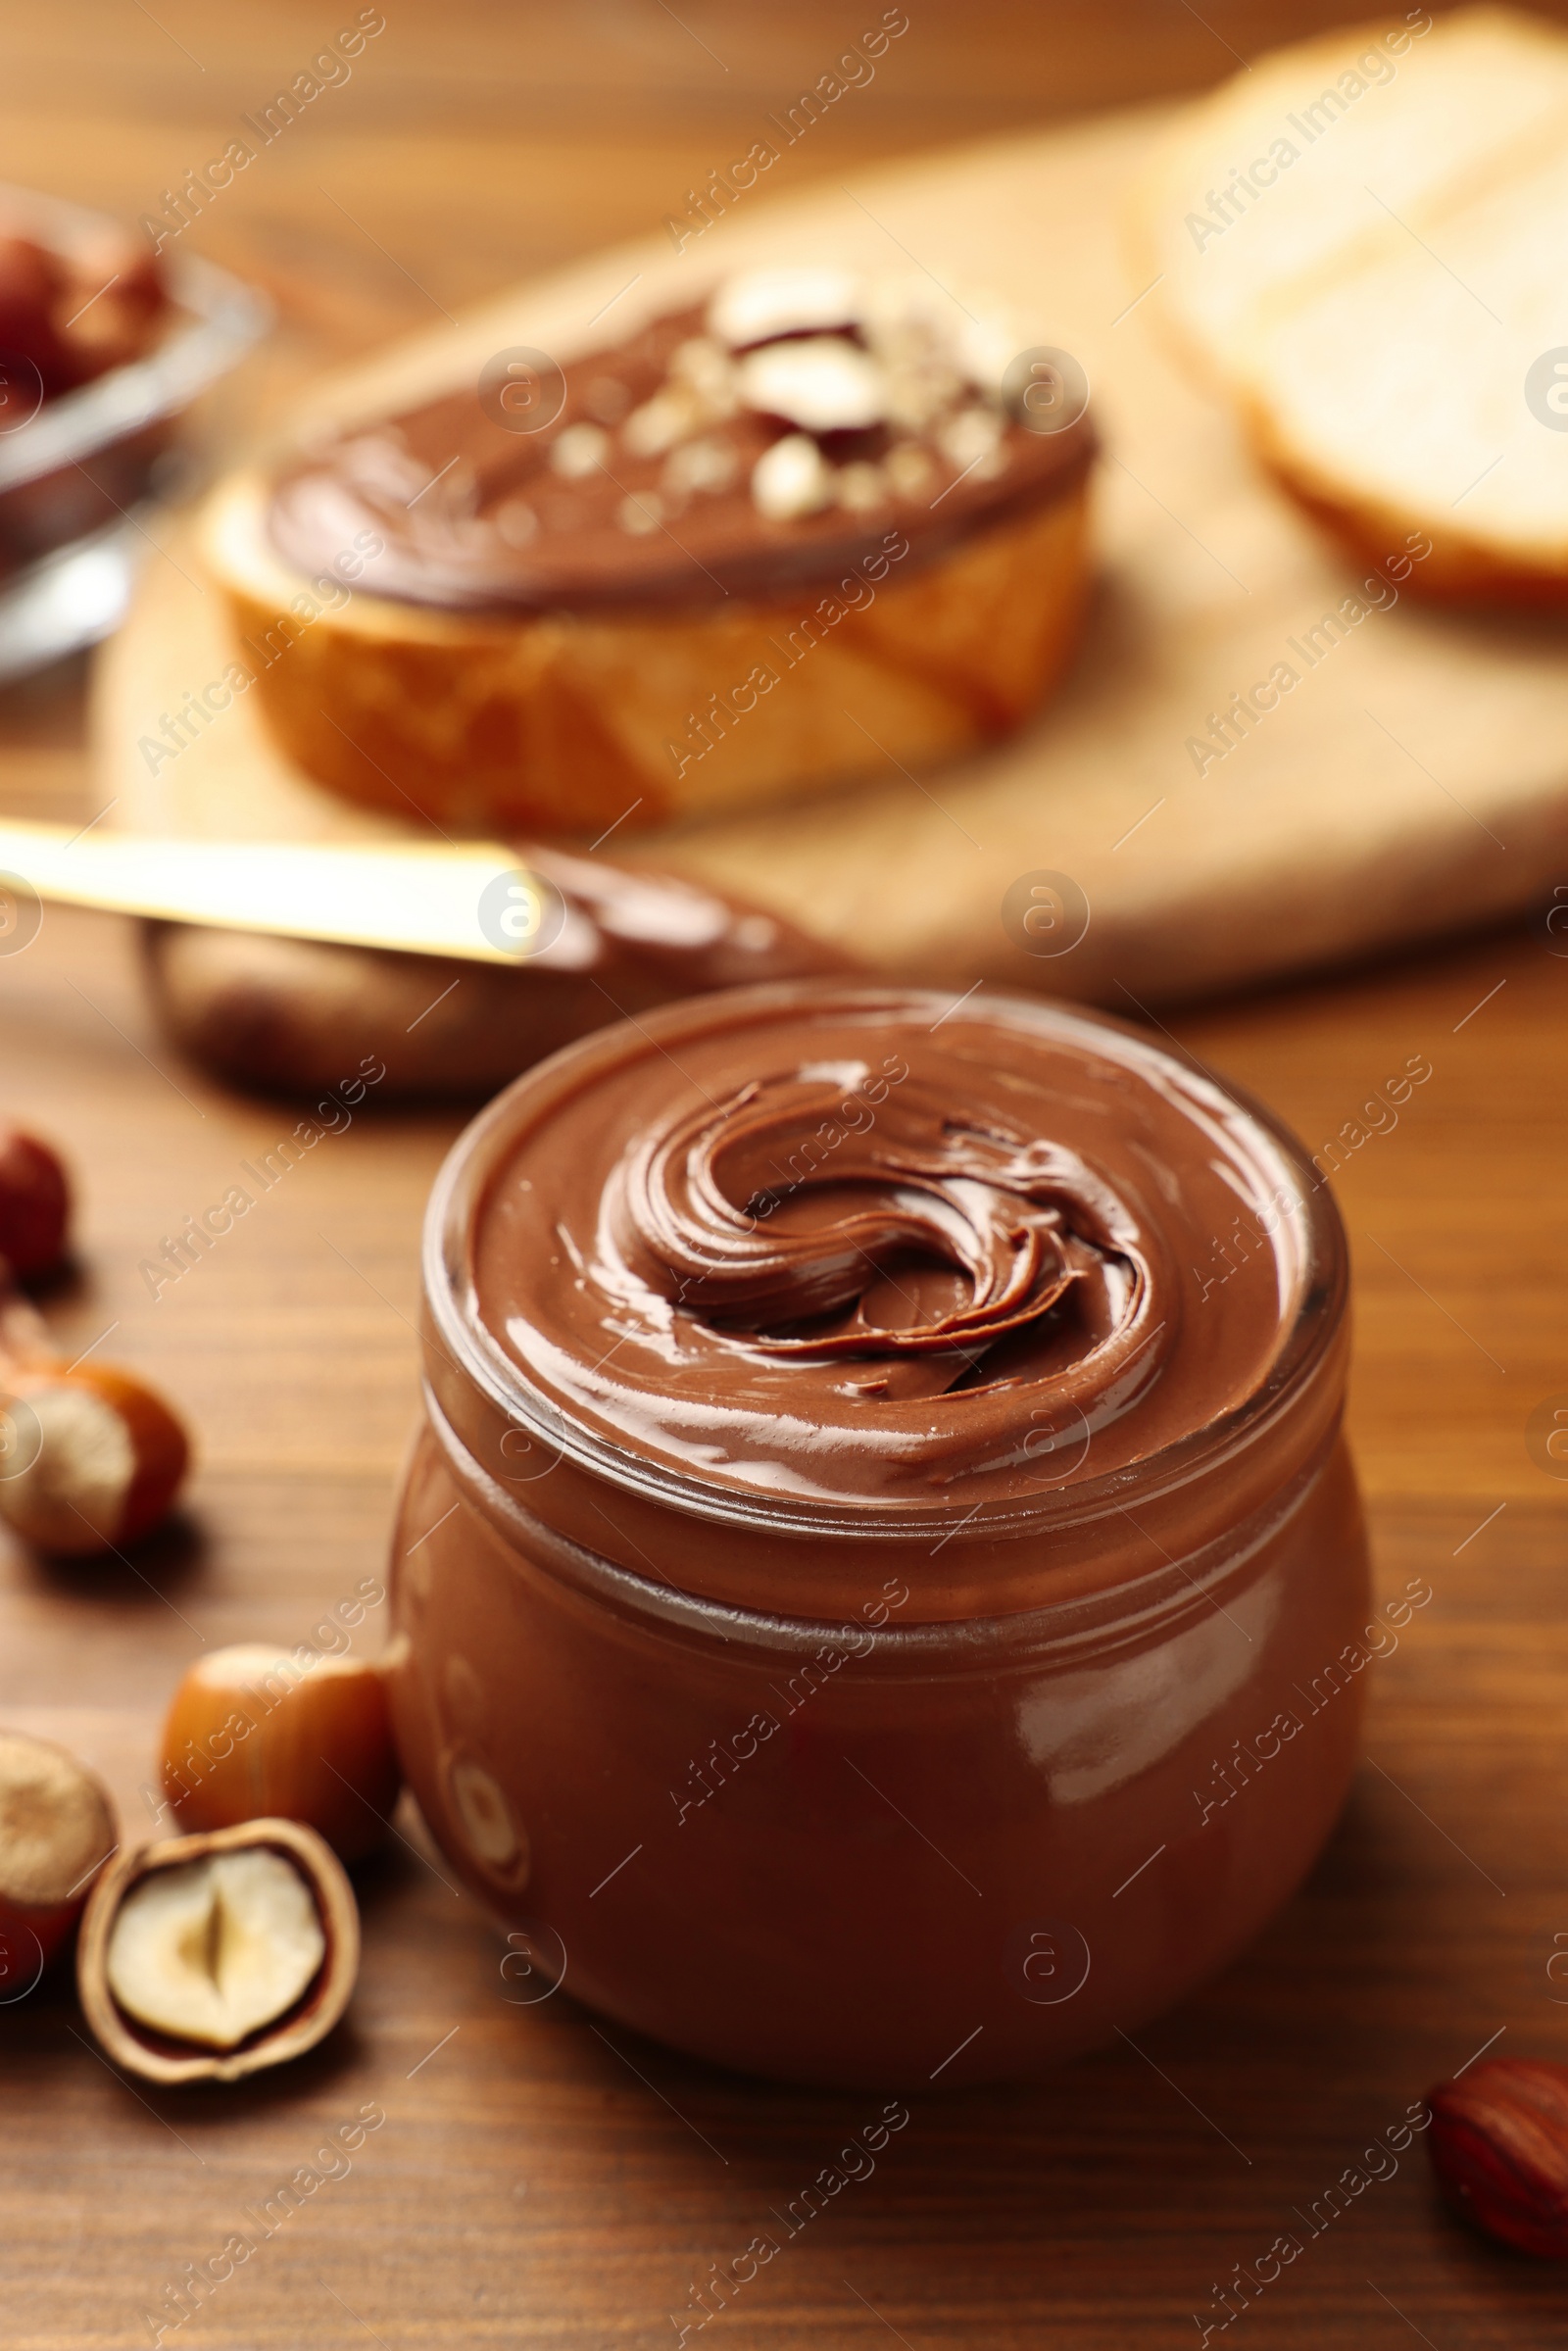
(473, 900)
(482, 902)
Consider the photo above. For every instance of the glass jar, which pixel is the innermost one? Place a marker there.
(849, 1797)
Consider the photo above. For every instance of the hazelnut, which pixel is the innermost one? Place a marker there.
(819, 382)
(641, 513)
(702, 364)
(1500, 2148)
(669, 416)
(908, 470)
(791, 479)
(759, 305)
(255, 1731)
(862, 488)
(207, 1958)
(581, 450)
(89, 1458)
(972, 441)
(57, 1830)
(35, 1204)
(705, 466)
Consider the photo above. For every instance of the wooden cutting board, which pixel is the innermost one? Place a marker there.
(1413, 780)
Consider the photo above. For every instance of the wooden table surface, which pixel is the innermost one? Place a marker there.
(537, 2182)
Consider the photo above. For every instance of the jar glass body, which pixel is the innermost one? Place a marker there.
(1026, 1781)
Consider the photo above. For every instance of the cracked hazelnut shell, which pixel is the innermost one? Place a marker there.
(166, 2057)
(108, 1458)
(89, 1458)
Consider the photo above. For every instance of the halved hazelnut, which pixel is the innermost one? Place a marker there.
(820, 383)
(207, 1958)
(253, 1731)
(57, 1830)
(758, 304)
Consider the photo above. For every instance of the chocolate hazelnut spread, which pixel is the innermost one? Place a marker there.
(861, 1245)
(749, 447)
(868, 1582)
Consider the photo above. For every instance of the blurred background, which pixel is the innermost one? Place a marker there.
(475, 145)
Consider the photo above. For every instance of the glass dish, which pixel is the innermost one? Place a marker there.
(81, 474)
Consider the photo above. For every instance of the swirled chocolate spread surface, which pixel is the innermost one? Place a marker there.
(800, 423)
(829, 1244)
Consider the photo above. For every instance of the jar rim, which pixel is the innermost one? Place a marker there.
(456, 1330)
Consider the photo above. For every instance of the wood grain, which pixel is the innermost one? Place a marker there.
(535, 2185)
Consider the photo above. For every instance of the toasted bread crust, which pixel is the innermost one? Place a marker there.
(1459, 570)
(1313, 407)
(564, 722)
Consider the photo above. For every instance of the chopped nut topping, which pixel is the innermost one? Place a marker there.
(708, 464)
(761, 304)
(987, 347)
(908, 470)
(516, 521)
(972, 441)
(706, 371)
(918, 395)
(860, 488)
(581, 450)
(607, 399)
(820, 383)
(792, 478)
(671, 414)
(641, 515)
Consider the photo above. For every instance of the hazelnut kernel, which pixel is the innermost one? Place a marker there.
(579, 451)
(908, 470)
(791, 479)
(708, 465)
(820, 383)
(641, 513)
(212, 1950)
(207, 1958)
(972, 441)
(862, 488)
(667, 417)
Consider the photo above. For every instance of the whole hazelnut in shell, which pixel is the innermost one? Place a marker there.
(35, 1204)
(307, 1737)
(1500, 2148)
